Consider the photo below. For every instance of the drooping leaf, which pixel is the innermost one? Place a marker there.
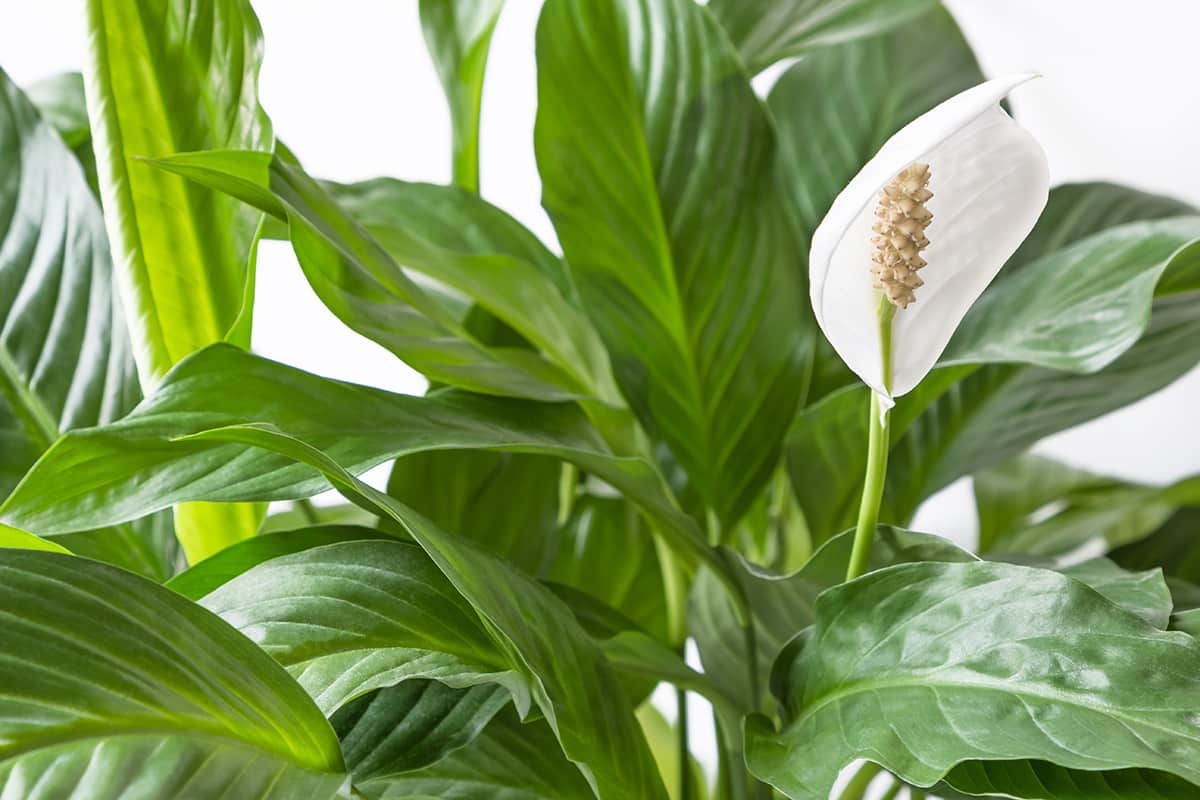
(197, 581)
(965, 418)
(458, 34)
(922, 666)
(146, 468)
(766, 31)
(1034, 505)
(57, 308)
(111, 682)
(570, 680)
(825, 140)
(508, 761)
(662, 184)
(412, 725)
(352, 617)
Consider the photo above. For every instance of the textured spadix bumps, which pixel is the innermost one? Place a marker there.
(900, 234)
(983, 181)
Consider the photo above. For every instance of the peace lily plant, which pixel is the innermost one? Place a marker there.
(700, 421)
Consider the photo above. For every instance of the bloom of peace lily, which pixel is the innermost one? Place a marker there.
(911, 243)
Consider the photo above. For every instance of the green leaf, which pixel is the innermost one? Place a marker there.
(784, 604)
(1040, 780)
(214, 571)
(508, 761)
(367, 286)
(507, 502)
(458, 34)
(766, 31)
(571, 682)
(304, 513)
(146, 468)
(57, 308)
(411, 725)
(17, 538)
(663, 738)
(60, 101)
(1143, 593)
(663, 186)
(1174, 547)
(965, 418)
(112, 681)
(922, 666)
(348, 618)
(165, 77)
(1037, 506)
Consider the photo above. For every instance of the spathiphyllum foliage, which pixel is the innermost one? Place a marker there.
(638, 440)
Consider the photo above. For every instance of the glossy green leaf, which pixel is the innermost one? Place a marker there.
(348, 618)
(922, 666)
(509, 761)
(783, 605)
(964, 418)
(766, 31)
(458, 34)
(1174, 547)
(17, 538)
(662, 184)
(571, 682)
(112, 682)
(411, 725)
(197, 581)
(60, 101)
(145, 467)
(1143, 593)
(58, 308)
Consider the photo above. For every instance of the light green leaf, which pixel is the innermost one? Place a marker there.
(964, 418)
(412, 725)
(766, 31)
(929, 665)
(145, 468)
(17, 538)
(111, 681)
(60, 101)
(164, 77)
(458, 34)
(662, 184)
(509, 761)
(663, 738)
(1143, 593)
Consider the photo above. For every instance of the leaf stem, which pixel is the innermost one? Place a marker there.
(856, 789)
(686, 791)
(878, 440)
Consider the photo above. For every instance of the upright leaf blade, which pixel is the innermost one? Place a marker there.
(458, 34)
(662, 186)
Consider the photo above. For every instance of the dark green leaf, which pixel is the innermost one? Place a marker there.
(766, 31)
(411, 725)
(111, 681)
(509, 761)
(1174, 547)
(663, 185)
(1040, 780)
(922, 666)
(458, 34)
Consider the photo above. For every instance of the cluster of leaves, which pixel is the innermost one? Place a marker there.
(642, 441)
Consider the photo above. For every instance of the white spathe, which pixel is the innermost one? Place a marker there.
(990, 182)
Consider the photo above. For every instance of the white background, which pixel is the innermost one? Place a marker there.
(351, 90)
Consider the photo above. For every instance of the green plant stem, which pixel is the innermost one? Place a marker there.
(916, 794)
(878, 441)
(856, 789)
(892, 793)
(306, 507)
